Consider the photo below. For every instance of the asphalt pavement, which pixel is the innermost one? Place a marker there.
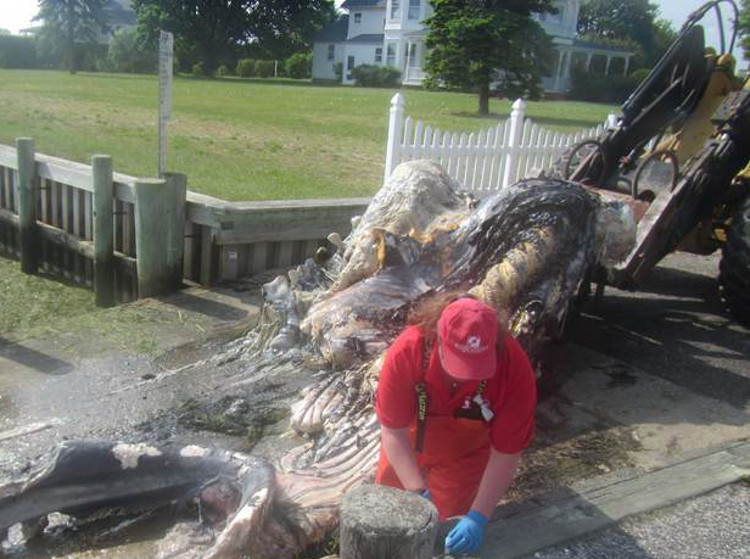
(712, 526)
(674, 328)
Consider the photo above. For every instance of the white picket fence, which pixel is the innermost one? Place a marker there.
(483, 161)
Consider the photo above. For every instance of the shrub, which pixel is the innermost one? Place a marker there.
(390, 76)
(369, 75)
(265, 68)
(639, 75)
(224, 71)
(299, 65)
(604, 89)
(127, 55)
(197, 69)
(17, 52)
(245, 68)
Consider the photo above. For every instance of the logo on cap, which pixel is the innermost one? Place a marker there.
(473, 345)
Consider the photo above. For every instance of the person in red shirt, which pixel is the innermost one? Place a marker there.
(455, 401)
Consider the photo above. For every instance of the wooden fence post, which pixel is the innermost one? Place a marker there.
(379, 522)
(104, 241)
(395, 125)
(26, 208)
(176, 228)
(153, 199)
(514, 140)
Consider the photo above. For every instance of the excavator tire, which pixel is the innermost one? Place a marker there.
(734, 269)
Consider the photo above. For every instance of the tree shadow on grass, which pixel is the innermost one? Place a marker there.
(263, 81)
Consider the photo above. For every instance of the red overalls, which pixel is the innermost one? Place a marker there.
(453, 460)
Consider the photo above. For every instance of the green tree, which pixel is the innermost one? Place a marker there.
(664, 35)
(743, 28)
(215, 32)
(68, 23)
(475, 44)
(627, 20)
(127, 54)
(4, 31)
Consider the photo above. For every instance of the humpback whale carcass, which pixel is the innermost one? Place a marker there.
(525, 250)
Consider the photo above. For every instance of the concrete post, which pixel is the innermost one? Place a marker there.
(606, 68)
(104, 240)
(395, 129)
(514, 140)
(627, 66)
(26, 205)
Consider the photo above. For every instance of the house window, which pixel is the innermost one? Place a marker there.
(357, 18)
(349, 67)
(414, 6)
(390, 55)
(559, 17)
(394, 8)
(379, 55)
(331, 51)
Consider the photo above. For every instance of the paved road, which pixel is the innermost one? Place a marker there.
(713, 526)
(674, 328)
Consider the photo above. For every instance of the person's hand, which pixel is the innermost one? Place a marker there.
(467, 535)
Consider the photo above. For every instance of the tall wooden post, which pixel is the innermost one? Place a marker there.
(28, 236)
(379, 522)
(104, 240)
(154, 199)
(177, 183)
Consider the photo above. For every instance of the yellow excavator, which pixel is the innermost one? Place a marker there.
(679, 156)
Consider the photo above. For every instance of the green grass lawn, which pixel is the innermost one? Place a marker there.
(241, 139)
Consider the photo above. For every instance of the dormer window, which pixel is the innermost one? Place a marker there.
(357, 18)
(395, 5)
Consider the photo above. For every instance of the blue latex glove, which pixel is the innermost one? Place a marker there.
(468, 535)
(425, 494)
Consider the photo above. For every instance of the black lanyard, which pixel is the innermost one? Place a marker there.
(421, 390)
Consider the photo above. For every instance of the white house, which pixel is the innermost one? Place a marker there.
(391, 32)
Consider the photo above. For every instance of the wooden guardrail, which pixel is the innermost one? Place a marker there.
(55, 217)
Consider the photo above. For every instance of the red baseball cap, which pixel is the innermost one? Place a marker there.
(467, 330)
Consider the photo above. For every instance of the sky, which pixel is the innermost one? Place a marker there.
(17, 14)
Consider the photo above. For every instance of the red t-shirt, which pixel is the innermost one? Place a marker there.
(510, 393)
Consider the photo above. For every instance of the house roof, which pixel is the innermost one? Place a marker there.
(334, 32)
(349, 4)
(365, 38)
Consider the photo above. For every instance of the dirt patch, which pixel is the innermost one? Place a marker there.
(571, 444)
